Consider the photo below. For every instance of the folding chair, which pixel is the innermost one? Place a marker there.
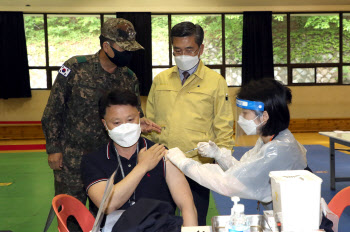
(340, 201)
(337, 205)
(65, 206)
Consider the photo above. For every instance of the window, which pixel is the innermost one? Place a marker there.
(35, 39)
(212, 27)
(64, 36)
(233, 49)
(279, 40)
(346, 48)
(309, 48)
(71, 35)
(314, 38)
(346, 74)
(160, 42)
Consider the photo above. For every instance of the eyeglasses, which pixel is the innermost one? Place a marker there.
(189, 52)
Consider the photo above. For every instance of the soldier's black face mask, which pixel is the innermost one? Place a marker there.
(120, 59)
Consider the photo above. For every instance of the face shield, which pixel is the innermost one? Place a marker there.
(248, 121)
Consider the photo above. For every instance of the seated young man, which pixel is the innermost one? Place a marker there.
(143, 171)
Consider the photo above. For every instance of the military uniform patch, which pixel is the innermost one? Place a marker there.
(81, 59)
(64, 71)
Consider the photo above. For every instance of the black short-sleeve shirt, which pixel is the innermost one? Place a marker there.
(100, 165)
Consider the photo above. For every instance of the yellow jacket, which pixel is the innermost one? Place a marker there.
(198, 111)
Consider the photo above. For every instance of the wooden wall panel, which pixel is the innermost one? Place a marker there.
(316, 125)
(21, 132)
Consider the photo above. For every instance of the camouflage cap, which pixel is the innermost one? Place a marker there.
(122, 32)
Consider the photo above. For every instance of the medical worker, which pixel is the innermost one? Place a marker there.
(262, 107)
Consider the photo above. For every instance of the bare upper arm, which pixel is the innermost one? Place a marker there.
(178, 185)
(96, 191)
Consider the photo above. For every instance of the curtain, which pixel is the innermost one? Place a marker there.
(141, 63)
(14, 75)
(257, 54)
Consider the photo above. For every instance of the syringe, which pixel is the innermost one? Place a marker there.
(195, 148)
(166, 159)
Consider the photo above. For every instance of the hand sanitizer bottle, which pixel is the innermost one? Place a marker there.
(238, 221)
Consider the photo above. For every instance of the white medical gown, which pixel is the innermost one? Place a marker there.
(249, 177)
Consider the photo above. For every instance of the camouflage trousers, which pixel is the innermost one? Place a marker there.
(69, 181)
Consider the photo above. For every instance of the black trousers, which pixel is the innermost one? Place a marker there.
(201, 200)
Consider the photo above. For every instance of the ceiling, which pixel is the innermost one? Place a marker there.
(178, 6)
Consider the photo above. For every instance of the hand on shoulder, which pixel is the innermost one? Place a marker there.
(150, 158)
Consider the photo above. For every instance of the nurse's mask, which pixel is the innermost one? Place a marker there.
(248, 126)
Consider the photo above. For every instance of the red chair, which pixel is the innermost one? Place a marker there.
(65, 206)
(340, 201)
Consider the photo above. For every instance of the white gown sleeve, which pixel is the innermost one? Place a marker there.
(225, 159)
(249, 177)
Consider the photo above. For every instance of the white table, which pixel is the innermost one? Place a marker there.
(196, 229)
(342, 138)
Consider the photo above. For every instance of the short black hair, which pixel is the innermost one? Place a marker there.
(104, 39)
(275, 97)
(188, 29)
(116, 97)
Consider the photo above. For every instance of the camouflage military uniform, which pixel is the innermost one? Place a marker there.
(71, 122)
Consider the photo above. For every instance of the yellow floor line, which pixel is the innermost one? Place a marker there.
(5, 184)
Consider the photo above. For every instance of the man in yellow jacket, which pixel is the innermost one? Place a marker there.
(191, 104)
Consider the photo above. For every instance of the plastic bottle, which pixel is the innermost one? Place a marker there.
(238, 221)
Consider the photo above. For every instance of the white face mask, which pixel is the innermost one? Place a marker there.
(186, 62)
(248, 126)
(126, 134)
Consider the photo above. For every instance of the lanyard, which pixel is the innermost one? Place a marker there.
(120, 163)
(131, 202)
